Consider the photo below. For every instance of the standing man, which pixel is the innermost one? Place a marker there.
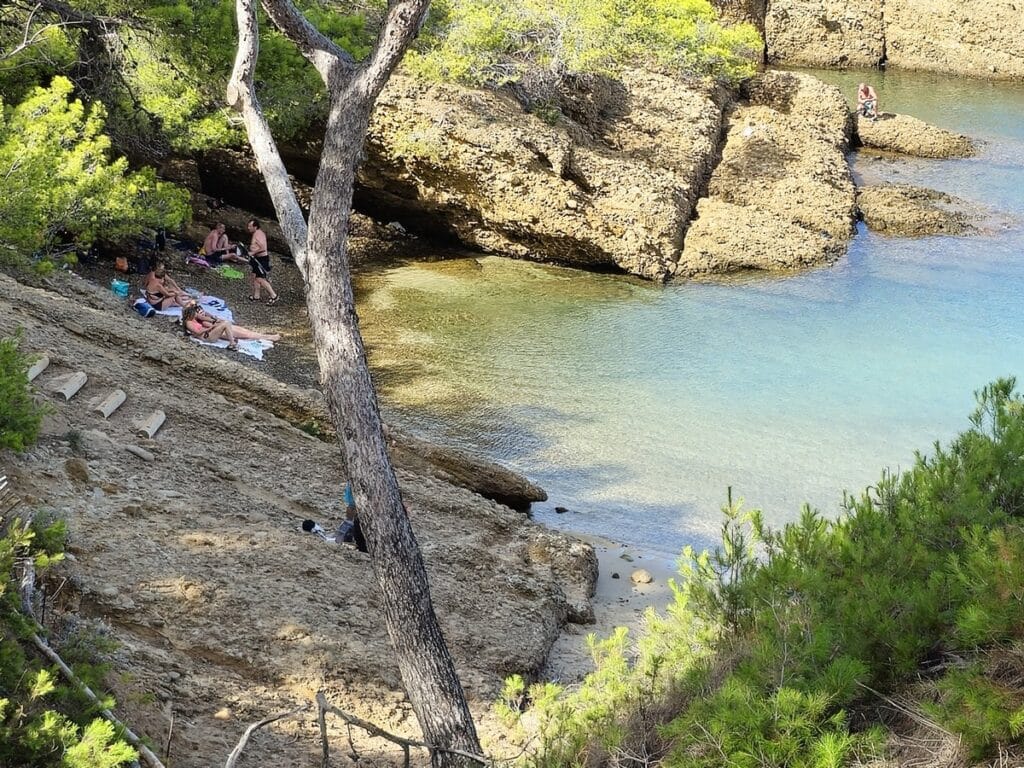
(259, 261)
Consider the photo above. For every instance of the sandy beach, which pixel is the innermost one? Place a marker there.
(618, 602)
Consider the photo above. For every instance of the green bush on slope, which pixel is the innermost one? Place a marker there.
(20, 416)
(492, 42)
(772, 637)
(58, 182)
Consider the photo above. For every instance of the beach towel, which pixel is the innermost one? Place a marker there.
(211, 304)
(251, 347)
(229, 273)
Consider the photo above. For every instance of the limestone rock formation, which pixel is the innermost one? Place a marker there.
(909, 136)
(977, 39)
(903, 210)
(782, 196)
(825, 32)
(506, 182)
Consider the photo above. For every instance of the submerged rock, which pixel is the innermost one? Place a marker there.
(903, 210)
(782, 196)
(909, 136)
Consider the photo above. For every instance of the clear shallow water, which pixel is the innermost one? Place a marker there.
(637, 405)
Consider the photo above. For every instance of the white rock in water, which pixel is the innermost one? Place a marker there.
(640, 576)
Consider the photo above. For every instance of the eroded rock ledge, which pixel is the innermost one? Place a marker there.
(782, 196)
(907, 211)
(907, 135)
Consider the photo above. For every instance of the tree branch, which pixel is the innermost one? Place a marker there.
(400, 741)
(401, 25)
(322, 52)
(241, 94)
(237, 751)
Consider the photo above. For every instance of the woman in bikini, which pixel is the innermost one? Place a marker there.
(199, 324)
(161, 291)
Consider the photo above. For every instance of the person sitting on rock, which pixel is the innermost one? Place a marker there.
(350, 531)
(217, 247)
(200, 325)
(867, 101)
(160, 289)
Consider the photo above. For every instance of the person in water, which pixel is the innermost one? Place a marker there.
(867, 101)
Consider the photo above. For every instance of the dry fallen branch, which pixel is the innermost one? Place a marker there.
(237, 751)
(401, 741)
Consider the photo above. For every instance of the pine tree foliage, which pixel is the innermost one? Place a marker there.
(58, 182)
(771, 638)
(492, 42)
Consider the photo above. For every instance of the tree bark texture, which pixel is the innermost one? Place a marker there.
(321, 254)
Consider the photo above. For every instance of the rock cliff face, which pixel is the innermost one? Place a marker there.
(615, 196)
(977, 39)
(825, 32)
(782, 197)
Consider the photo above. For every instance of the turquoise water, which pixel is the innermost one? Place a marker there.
(637, 405)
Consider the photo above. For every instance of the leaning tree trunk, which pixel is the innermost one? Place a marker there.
(320, 250)
(423, 658)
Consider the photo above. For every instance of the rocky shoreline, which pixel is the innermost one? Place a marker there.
(192, 555)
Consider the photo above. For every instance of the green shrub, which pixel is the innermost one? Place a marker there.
(492, 42)
(57, 180)
(20, 416)
(44, 723)
(770, 638)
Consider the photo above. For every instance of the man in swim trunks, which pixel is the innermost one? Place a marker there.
(867, 101)
(259, 261)
(217, 247)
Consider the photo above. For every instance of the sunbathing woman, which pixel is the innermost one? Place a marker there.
(161, 291)
(208, 328)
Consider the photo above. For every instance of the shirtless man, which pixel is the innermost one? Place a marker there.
(259, 261)
(867, 101)
(218, 248)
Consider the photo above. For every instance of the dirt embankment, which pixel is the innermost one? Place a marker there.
(223, 609)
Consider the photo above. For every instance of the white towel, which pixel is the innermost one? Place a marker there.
(210, 304)
(251, 347)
